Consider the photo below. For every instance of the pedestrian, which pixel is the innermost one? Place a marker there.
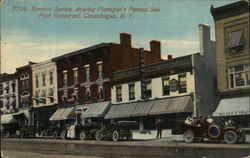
(159, 128)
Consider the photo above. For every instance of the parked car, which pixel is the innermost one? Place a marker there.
(212, 129)
(27, 131)
(116, 131)
(78, 131)
(9, 130)
(53, 131)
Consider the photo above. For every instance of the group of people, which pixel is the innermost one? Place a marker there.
(198, 121)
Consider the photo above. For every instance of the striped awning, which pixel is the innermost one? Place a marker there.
(236, 39)
(154, 107)
(63, 114)
(7, 118)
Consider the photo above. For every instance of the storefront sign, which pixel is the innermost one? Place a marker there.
(173, 85)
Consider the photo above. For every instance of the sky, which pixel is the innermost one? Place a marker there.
(31, 30)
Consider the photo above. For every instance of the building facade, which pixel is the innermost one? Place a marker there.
(84, 75)
(44, 98)
(173, 89)
(232, 56)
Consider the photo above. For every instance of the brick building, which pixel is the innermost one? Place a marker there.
(84, 75)
(233, 57)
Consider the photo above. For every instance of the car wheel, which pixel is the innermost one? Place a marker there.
(82, 135)
(230, 137)
(115, 136)
(213, 131)
(130, 137)
(55, 135)
(98, 135)
(64, 134)
(242, 138)
(188, 136)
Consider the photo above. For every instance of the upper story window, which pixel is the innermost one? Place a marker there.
(25, 84)
(75, 76)
(101, 92)
(1, 89)
(182, 83)
(148, 89)
(119, 93)
(236, 41)
(7, 88)
(100, 73)
(37, 81)
(13, 85)
(131, 89)
(238, 76)
(165, 86)
(87, 73)
(88, 94)
(51, 78)
(65, 79)
(44, 79)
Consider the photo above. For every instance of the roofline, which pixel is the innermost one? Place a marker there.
(79, 51)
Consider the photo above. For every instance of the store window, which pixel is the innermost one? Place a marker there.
(148, 89)
(238, 76)
(131, 88)
(165, 86)
(119, 93)
(236, 41)
(182, 83)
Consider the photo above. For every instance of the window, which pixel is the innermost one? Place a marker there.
(88, 94)
(87, 74)
(7, 103)
(100, 75)
(7, 88)
(165, 86)
(37, 81)
(236, 41)
(131, 89)
(65, 79)
(239, 76)
(182, 83)
(119, 93)
(75, 76)
(100, 92)
(51, 79)
(44, 79)
(148, 89)
(1, 103)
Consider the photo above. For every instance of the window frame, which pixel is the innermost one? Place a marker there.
(231, 76)
(181, 89)
(118, 95)
(131, 94)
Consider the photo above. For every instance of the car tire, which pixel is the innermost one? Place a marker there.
(98, 135)
(213, 131)
(82, 135)
(115, 136)
(230, 137)
(188, 136)
(55, 135)
(130, 137)
(64, 135)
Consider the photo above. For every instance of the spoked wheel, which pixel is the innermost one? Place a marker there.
(230, 137)
(130, 137)
(64, 135)
(82, 135)
(55, 135)
(98, 135)
(115, 136)
(188, 136)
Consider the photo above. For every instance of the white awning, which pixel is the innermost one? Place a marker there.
(233, 107)
(63, 114)
(7, 118)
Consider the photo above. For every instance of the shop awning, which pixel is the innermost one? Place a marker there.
(233, 107)
(7, 118)
(142, 108)
(63, 114)
(121, 110)
(24, 112)
(172, 105)
(94, 109)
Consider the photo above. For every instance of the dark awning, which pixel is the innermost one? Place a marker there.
(160, 106)
(94, 109)
(172, 105)
(233, 107)
(63, 114)
(7, 118)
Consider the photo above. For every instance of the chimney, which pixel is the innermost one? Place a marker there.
(170, 57)
(204, 31)
(125, 39)
(155, 48)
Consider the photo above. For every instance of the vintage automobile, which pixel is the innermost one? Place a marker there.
(212, 129)
(10, 130)
(53, 131)
(27, 131)
(79, 131)
(116, 131)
